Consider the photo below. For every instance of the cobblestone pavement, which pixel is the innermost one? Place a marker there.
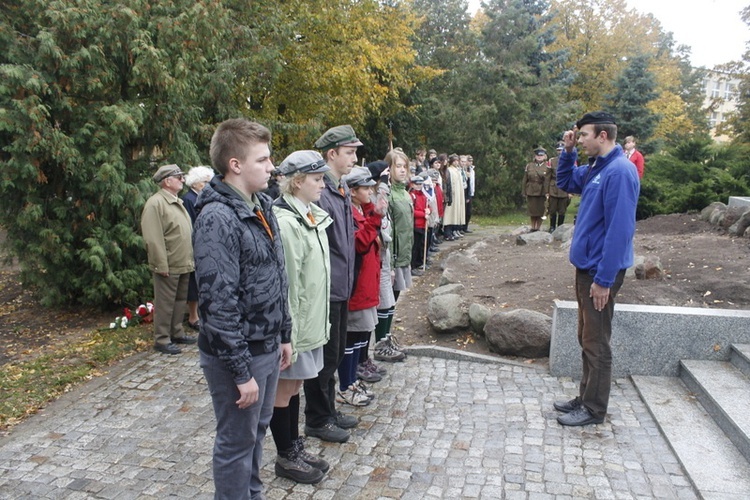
(438, 428)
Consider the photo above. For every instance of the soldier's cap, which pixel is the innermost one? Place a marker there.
(359, 176)
(540, 151)
(560, 146)
(343, 135)
(596, 118)
(376, 168)
(417, 179)
(167, 171)
(304, 162)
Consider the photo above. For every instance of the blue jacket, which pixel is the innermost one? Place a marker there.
(241, 280)
(605, 225)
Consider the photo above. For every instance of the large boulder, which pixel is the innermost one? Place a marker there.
(449, 276)
(519, 333)
(448, 313)
(478, 316)
(709, 210)
(563, 233)
(739, 227)
(454, 288)
(717, 215)
(732, 215)
(460, 260)
(535, 238)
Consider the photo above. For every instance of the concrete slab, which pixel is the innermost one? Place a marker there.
(724, 392)
(715, 466)
(740, 357)
(650, 340)
(739, 201)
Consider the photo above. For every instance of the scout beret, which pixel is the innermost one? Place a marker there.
(359, 176)
(305, 162)
(343, 135)
(596, 118)
(166, 171)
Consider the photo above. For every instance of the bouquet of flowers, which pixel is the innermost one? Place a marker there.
(143, 313)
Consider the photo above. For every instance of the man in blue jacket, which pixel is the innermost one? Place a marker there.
(601, 251)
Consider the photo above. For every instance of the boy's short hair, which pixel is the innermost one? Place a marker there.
(609, 128)
(231, 138)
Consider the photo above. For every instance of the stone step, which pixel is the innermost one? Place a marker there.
(740, 357)
(724, 391)
(715, 466)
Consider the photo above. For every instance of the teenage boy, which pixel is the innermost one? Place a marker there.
(339, 148)
(245, 324)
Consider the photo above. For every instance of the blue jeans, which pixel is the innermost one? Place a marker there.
(238, 447)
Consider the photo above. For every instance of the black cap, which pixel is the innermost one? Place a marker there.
(596, 118)
(377, 168)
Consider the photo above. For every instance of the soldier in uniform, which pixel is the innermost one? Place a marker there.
(557, 199)
(533, 187)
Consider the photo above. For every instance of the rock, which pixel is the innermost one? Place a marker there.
(739, 227)
(478, 316)
(732, 215)
(520, 230)
(460, 260)
(519, 333)
(447, 313)
(535, 238)
(651, 268)
(717, 214)
(448, 277)
(709, 210)
(455, 288)
(638, 259)
(563, 233)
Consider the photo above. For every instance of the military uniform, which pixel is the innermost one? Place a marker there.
(558, 199)
(533, 187)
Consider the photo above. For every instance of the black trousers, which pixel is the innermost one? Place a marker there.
(468, 213)
(417, 250)
(320, 392)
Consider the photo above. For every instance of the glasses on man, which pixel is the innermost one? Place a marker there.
(179, 176)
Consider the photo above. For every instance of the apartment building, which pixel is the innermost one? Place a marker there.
(721, 96)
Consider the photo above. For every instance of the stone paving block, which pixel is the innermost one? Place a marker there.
(438, 429)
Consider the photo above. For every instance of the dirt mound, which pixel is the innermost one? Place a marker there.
(704, 268)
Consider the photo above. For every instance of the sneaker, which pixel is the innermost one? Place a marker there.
(363, 389)
(579, 416)
(370, 364)
(290, 465)
(384, 352)
(417, 272)
(367, 375)
(346, 421)
(329, 432)
(567, 406)
(310, 459)
(352, 396)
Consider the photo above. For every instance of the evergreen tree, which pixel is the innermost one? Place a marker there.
(634, 89)
(93, 96)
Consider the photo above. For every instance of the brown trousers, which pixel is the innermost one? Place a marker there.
(170, 304)
(594, 334)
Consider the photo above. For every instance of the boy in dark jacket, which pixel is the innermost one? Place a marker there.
(245, 324)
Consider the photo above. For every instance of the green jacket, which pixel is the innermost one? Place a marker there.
(167, 232)
(309, 271)
(401, 211)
